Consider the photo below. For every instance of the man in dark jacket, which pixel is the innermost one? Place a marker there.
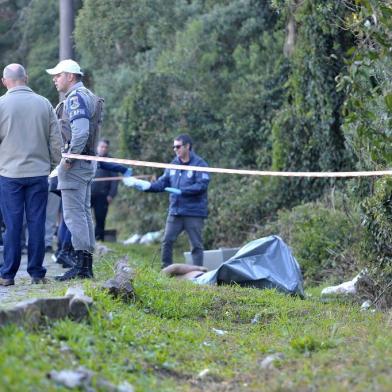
(102, 192)
(188, 200)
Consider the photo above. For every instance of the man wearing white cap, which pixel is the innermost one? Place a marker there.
(80, 118)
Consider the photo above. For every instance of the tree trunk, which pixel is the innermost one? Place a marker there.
(66, 29)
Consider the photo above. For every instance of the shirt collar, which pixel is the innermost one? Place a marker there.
(19, 88)
(74, 87)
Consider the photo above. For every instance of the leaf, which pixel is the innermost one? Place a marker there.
(388, 101)
(386, 11)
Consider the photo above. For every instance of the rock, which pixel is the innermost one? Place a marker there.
(125, 387)
(28, 312)
(55, 308)
(268, 362)
(79, 307)
(72, 378)
(81, 378)
(33, 311)
(121, 284)
(74, 291)
(101, 250)
(8, 316)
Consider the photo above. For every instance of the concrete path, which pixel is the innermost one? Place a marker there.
(23, 288)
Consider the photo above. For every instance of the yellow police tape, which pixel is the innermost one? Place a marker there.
(132, 162)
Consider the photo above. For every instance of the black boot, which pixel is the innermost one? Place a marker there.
(89, 258)
(79, 270)
(66, 257)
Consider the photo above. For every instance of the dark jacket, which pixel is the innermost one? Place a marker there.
(107, 188)
(193, 185)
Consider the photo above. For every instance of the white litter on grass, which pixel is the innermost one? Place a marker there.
(255, 319)
(203, 373)
(133, 239)
(366, 305)
(268, 362)
(151, 237)
(219, 332)
(343, 288)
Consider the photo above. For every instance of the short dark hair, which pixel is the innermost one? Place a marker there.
(185, 139)
(106, 141)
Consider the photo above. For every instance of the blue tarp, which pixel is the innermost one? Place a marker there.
(263, 263)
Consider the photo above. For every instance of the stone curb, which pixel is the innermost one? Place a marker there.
(74, 304)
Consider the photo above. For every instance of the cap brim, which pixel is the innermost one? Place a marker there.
(53, 71)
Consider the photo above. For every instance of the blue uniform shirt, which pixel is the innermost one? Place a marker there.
(78, 106)
(193, 200)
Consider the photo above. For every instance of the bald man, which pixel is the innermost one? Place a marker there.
(30, 147)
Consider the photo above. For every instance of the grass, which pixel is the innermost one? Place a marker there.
(170, 334)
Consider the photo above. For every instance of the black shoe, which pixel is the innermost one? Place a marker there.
(79, 270)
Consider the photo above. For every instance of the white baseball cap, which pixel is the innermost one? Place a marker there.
(69, 66)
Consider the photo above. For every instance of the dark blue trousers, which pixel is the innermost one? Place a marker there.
(64, 236)
(175, 225)
(19, 195)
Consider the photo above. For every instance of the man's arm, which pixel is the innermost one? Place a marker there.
(161, 183)
(113, 167)
(54, 139)
(80, 123)
(199, 186)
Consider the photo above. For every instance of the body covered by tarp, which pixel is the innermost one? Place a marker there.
(263, 263)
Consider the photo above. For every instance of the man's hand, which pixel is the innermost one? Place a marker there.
(54, 172)
(109, 199)
(67, 163)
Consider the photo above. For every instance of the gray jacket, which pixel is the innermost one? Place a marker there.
(75, 124)
(30, 141)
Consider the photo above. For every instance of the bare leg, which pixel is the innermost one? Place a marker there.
(182, 269)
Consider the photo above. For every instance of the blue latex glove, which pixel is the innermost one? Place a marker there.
(142, 185)
(133, 182)
(128, 173)
(176, 191)
(129, 181)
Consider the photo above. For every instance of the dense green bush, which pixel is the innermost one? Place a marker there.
(368, 121)
(324, 239)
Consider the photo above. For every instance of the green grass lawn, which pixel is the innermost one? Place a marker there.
(165, 338)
